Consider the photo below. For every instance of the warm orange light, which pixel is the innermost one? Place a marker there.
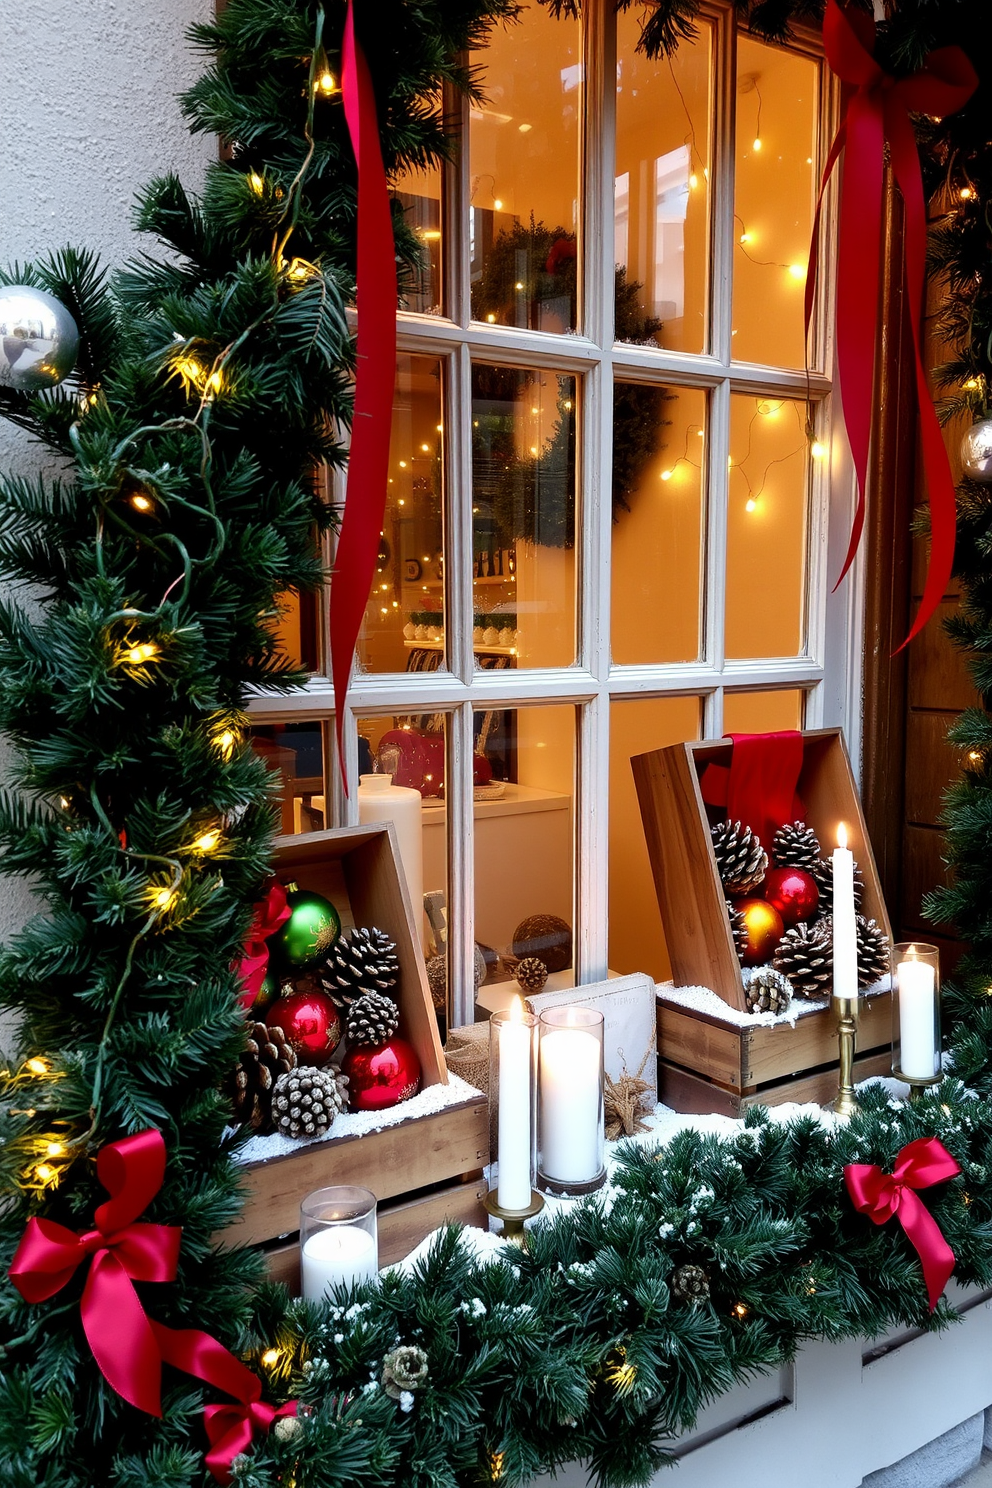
(138, 655)
(666, 475)
(140, 503)
(750, 504)
(256, 183)
(55, 1149)
(37, 1066)
(818, 450)
(756, 144)
(966, 193)
(841, 835)
(797, 270)
(207, 841)
(327, 82)
(271, 1356)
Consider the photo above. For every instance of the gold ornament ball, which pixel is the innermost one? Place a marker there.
(764, 928)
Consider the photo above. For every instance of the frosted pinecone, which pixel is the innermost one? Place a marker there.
(805, 955)
(766, 990)
(362, 961)
(373, 1020)
(306, 1100)
(795, 846)
(740, 858)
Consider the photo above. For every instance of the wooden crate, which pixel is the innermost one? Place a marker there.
(691, 897)
(710, 1064)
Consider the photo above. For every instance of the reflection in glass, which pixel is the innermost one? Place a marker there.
(295, 752)
(658, 448)
(523, 517)
(403, 628)
(637, 941)
(524, 153)
(524, 839)
(766, 527)
(419, 194)
(775, 193)
(762, 712)
(662, 188)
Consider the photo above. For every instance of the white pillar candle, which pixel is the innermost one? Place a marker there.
(514, 1124)
(845, 929)
(917, 1025)
(337, 1255)
(570, 1099)
(380, 800)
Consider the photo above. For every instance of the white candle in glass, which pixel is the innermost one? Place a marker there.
(916, 982)
(338, 1255)
(845, 929)
(514, 1124)
(570, 1098)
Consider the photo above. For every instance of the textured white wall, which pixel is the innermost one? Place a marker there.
(88, 113)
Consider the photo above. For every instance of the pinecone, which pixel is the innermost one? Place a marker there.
(740, 858)
(531, 973)
(767, 990)
(690, 1283)
(363, 961)
(805, 955)
(265, 1057)
(873, 952)
(373, 1020)
(738, 929)
(305, 1101)
(795, 846)
(822, 870)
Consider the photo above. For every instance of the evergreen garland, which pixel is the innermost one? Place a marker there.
(205, 386)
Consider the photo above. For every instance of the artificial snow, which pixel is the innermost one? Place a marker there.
(704, 1000)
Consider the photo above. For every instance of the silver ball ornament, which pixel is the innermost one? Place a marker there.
(976, 451)
(39, 340)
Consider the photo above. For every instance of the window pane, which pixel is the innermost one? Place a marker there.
(523, 840)
(774, 198)
(662, 182)
(295, 751)
(523, 517)
(296, 625)
(524, 154)
(404, 619)
(419, 194)
(657, 522)
(637, 942)
(766, 527)
(762, 712)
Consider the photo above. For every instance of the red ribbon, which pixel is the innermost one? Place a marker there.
(375, 375)
(270, 913)
(120, 1252)
(229, 1428)
(759, 789)
(920, 1164)
(879, 113)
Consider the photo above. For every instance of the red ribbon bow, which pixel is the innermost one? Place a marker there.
(878, 113)
(270, 913)
(375, 375)
(120, 1252)
(920, 1164)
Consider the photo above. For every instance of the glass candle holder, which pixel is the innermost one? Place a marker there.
(339, 1240)
(513, 1094)
(570, 1100)
(916, 1013)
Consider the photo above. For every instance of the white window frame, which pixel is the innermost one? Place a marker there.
(829, 673)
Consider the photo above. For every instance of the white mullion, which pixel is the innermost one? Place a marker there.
(717, 511)
(722, 191)
(712, 719)
(454, 243)
(461, 865)
(458, 519)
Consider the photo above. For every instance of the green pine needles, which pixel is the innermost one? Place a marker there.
(183, 500)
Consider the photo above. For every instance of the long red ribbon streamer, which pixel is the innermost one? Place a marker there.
(920, 1164)
(270, 913)
(759, 787)
(878, 113)
(375, 375)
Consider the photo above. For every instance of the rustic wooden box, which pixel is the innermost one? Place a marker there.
(690, 895)
(424, 1169)
(711, 1064)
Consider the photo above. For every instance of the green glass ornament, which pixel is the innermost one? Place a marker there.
(267, 993)
(312, 928)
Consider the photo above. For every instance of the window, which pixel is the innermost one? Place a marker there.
(608, 523)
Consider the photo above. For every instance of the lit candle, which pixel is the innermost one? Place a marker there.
(916, 981)
(570, 1105)
(845, 929)
(514, 1125)
(339, 1255)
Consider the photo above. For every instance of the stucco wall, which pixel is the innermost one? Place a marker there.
(88, 113)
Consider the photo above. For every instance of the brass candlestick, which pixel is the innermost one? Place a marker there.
(847, 1028)
(513, 1219)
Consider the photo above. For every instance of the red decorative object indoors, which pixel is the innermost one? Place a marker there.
(765, 928)
(380, 1078)
(793, 892)
(311, 1024)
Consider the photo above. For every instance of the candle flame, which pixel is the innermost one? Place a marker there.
(516, 1010)
(841, 835)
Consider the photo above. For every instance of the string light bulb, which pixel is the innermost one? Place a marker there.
(756, 144)
(818, 450)
(666, 475)
(271, 1357)
(497, 204)
(139, 655)
(966, 193)
(797, 270)
(256, 183)
(207, 841)
(971, 385)
(745, 238)
(215, 382)
(46, 1174)
(38, 1066)
(740, 1310)
(750, 504)
(327, 83)
(693, 181)
(140, 502)
(164, 899)
(225, 743)
(55, 1149)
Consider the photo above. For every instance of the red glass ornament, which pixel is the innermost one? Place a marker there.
(380, 1078)
(310, 1022)
(764, 927)
(793, 892)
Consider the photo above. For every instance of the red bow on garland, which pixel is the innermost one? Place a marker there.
(920, 1164)
(879, 114)
(270, 913)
